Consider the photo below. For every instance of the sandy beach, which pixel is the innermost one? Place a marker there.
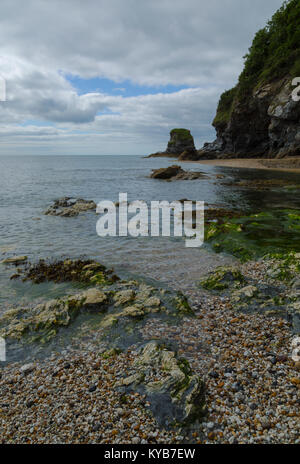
(285, 164)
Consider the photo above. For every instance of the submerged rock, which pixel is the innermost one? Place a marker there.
(15, 260)
(119, 307)
(42, 322)
(175, 394)
(254, 235)
(84, 271)
(70, 207)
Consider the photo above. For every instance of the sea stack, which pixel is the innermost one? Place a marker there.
(181, 145)
(181, 140)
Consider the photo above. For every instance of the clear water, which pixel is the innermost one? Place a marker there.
(30, 184)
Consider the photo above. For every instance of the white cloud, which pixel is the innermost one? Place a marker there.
(193, 43)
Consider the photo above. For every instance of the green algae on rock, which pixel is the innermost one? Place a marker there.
(115, 308)
(42, 322)
(255, 235)
(176, 395)
(223, 278)
(83, 271)
(277, 294)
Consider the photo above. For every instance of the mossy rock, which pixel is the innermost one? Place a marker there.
(223, 278)
(82, 271)
(176, 396)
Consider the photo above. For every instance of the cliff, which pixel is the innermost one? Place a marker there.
(259, 117)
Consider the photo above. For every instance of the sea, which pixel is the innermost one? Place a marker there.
(29, 185)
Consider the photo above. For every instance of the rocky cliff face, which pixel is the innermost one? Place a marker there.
(267, 124)
(259, 117)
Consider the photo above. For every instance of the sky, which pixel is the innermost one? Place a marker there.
(112, 77)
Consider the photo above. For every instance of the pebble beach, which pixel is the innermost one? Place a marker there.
(252, 384)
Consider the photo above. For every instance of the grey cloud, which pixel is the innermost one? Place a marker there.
(194, 43)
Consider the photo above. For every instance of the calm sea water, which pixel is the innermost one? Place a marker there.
(30, 184)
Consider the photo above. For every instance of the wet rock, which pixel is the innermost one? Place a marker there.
(27, 368)
(70, 207)
(93, 299)
(245, 293)
(223, 278)
(124, 297)
(176, 396)
(84, 271)
(176, 173)
(15, 260)
(166, 173)
(42, 322)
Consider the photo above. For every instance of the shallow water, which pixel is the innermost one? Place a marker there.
(30, 184)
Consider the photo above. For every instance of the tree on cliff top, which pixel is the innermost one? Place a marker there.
(274, 54)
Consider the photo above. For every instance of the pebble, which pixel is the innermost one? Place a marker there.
(27, 368)
(250, 399)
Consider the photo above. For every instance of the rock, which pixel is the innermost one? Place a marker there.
(223, 278)
(133, 311)
(189, 155)
(210, 425)
(259, 116)
(83, 271)
(70, 207)
(152, 302)
(29, 404)
(181, 144)
(121, 308)
(245, 293)
(124, 296)
(93, 299)
(166, 173)
(15, 260)
(174, 393)
(180, 141)
(44, 320)
(176, 173)
(27, 368)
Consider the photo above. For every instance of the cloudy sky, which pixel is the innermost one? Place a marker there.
(115, 76)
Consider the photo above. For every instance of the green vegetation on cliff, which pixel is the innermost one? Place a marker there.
(182, 134)
(274, 54)
(225, 107)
